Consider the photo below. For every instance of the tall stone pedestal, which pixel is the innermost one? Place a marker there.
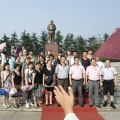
(53, 48)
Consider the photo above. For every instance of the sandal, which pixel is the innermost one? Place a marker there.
(39, 105)
(5, 106)
(16, 106)
(51, 105)
(47, 105)
(19, 104)
(36, 106)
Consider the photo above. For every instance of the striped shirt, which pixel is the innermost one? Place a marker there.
(77, 72)
(93, 72)
(108, 73)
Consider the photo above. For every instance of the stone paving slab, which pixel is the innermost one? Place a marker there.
(16, 115)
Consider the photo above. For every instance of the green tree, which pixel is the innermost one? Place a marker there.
(7, 41)
(105, 37)
(26, 41)
(59, 40)
(69, 42)
(80, 44)
(93, 43)
(43, 40)
(14, 39)
(35, 43)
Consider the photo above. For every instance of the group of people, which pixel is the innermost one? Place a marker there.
(63, 70)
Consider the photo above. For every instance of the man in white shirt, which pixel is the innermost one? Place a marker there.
(75, 54)
(69, 56)
(109, 74)
(99, 63)
(94, 80)
(77, 80)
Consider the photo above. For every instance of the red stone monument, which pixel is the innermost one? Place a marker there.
(53, 48)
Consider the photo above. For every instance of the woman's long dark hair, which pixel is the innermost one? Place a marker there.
(5, 66)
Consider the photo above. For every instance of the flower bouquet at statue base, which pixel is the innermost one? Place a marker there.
(26, 88)
(3, 92)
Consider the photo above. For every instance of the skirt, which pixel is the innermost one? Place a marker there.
(7, 86)
(38, 92)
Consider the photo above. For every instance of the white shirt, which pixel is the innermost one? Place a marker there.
(77, 72)
(108, 73)
(71, 116)
(93, 72)
(72, 61)
(100, 64)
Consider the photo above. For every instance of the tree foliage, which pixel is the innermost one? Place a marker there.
(37, 43)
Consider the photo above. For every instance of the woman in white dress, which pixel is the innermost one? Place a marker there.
(6, 83)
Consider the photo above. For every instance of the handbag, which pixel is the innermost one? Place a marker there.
(13, 91)
(49, 80)
(26, 88)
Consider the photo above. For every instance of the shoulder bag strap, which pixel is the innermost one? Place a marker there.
(6, 77)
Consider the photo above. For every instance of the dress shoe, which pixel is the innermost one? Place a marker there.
(91, 105)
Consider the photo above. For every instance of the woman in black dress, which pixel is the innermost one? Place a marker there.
(49, 71)
(37, 77)
(16, 83)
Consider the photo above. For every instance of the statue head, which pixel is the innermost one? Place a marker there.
(51, 21)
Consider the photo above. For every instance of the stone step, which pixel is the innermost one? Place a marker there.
(116, 99)
(21, 109)
(108, 108)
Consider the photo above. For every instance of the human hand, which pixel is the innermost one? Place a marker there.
(84, 83)
(33, 85)
(65, 100)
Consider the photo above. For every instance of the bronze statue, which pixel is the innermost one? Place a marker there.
(51, 31)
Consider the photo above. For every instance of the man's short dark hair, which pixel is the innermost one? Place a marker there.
(76, 58)
(93, 59)
(30, 63)
(69, 50)
(85, 51)
(51, 55)
(62, 57)
(108, 60)
(74, 51)
(90, 50)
